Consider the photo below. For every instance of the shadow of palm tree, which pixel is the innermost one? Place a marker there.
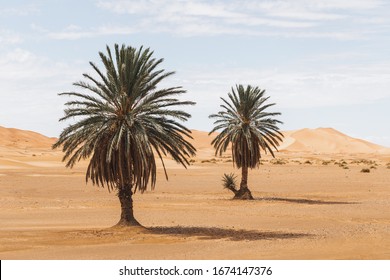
(220, 233)
(304, 201)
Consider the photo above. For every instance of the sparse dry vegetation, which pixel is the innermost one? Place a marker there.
(364, 161)
(213, 160)
(279, 161)
(296, 161)
(365, 170)
(342, 163)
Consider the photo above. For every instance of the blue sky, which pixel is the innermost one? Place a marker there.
(326, 63)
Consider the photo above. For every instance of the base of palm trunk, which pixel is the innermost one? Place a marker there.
(128, 223)
(244, 194)
(127, 215)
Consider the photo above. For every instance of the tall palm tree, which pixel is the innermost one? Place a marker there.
(122, 122)
(248, 128)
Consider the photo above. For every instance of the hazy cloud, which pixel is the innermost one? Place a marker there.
(332, 86)
(8, 37)
(301, 18)
(28, 89)
(73, 32)
(21, 10)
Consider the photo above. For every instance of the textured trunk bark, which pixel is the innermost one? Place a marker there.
(127, 215)
(244, 192)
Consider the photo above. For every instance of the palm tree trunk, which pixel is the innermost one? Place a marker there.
(244, 192)
(127, 215)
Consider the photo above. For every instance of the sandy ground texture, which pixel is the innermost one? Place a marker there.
(312, 202)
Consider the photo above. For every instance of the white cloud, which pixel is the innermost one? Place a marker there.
(281, 18)
(21, 64)
(317, 6)
(73, 32)
(22, 10)
(8, 37)
(36, 28)
(28, 90)
(196, 12)
(332, 86)
(345, 4)
(72, 35)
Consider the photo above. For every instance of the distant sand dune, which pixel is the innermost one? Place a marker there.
(23, 139)
(16, 142)
(316, 141)
(327, 140)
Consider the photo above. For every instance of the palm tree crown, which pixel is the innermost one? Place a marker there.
(123, 121)
(245, 124)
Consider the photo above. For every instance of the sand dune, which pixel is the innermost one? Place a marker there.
(24, 149)
(314, 141)
(23, 139)
(317, 141)
(327, 140)
(301, 211)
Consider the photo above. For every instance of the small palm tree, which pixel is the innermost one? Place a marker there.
(122, 122)
(248, 128)
(229, 182)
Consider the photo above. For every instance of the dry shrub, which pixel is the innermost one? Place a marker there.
(213, 160)
(279, 161)
(364, 161)
(342, 163)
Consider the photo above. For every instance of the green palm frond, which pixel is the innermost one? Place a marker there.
(123, 120)
(247, 126)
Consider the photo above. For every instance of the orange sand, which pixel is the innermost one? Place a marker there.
(302, 210)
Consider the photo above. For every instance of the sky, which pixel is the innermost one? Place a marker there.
(325, 63)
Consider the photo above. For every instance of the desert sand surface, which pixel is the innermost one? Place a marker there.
(311, 202)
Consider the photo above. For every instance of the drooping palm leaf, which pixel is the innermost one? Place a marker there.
(123, 120)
